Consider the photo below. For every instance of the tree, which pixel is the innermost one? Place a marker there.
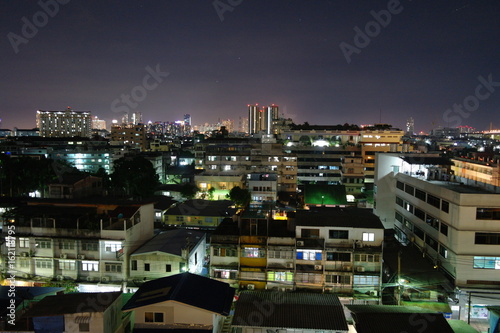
(189, 191)
(241, 197)
(134, 176)
(211, 193)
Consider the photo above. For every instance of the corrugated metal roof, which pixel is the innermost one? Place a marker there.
(289, 310)
(401, 322)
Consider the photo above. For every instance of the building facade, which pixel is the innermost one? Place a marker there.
(453, 224)
(67, 123)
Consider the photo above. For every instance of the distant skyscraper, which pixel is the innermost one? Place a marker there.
(135, 118)
(187, 119)
(410, 126)
(261, 119)
(66, 123)
(98, 123)
(243, 125)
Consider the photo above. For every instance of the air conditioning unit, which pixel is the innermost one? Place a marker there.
(24, 254)
(250, 286)
(90, 278)
(360, 269)
(289, 265)
(60, 278)
(105, 279)
(373, 293)
(300, 243)
(346, 268)
(64, 256)
(318, 267)
(81, 256)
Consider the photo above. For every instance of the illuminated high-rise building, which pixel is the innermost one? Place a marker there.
(99, 124)
(410, 126)
(260, 120)
(67, 123)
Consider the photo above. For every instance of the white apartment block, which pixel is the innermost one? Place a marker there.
(85, 242)
(457, 226)
(67, 123)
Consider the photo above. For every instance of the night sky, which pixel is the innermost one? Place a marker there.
(211, 62)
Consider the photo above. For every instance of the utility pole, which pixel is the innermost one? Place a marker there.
(399, 277)
(468, 309)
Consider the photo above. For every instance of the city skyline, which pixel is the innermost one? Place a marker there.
(327, 63)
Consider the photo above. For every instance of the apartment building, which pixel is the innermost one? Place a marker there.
(328, 249)
(375, 141)
(225, 161)
(333, 156)
(481, 171)
(131, 135)
(84, 241)
(67, 123)
(453, 224)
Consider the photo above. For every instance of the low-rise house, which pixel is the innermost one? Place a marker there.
(200, 214)
(266, 311)
(182, 301)
(80, 312)
(170, 252)
(76, 186)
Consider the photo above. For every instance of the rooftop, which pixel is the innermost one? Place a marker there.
(290, 310)
(172, 242)
(72, 303)
(187, 288)
(338, 217)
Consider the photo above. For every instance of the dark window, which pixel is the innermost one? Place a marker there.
(418, 232)
(339, 234)
(420, 194)
(168, 268)
(134, 265)
(400, 185)
(399, 217)
(487, 238)
(409, 189)
(338, 256)
(420, 214)
(399, 201)
(445, 206)
(310, 233)
(433, 201)
(431, 242)
(444, 229)
(488, 213)
(146, 267)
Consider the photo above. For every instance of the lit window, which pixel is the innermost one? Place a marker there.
(368, 237)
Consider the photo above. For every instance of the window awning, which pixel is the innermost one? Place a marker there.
(82, 319)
